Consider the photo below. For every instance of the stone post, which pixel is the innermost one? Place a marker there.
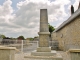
(74, 54)
(22, 45)
(7, 53)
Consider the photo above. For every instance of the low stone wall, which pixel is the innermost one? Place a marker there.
(74, 54)
(7, 53)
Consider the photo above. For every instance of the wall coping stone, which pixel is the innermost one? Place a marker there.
(4, 47)
(74, 50)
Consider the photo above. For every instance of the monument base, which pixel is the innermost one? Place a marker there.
(44, 49)
(32, 57)
(35, 53)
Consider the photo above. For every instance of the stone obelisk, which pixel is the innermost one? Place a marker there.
(44, 32)
(44, 29)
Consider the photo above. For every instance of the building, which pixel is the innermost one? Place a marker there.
(68, 33)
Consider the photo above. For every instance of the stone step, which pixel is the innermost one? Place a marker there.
(52, 53)
(43, 57)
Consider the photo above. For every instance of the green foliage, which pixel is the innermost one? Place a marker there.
(21, 37)
(3, 36)
(31, 39)
(36, 37)
(51, 28)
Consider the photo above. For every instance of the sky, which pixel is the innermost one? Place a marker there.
(22, 17)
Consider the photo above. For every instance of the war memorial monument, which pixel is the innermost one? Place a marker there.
(43, 51)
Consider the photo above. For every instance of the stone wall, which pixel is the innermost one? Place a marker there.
(53, 36)
(69, 35)
(7, 53)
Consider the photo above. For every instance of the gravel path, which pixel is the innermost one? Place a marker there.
(65, 55)
(19, 56)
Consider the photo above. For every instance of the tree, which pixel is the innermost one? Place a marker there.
(31, 39)
(36, 37)
(3, 36)
(21, 37)
(51, 28)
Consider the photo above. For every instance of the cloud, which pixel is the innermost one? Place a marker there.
(76, 4)
(26, 19)
(29, 11)
(5, 14)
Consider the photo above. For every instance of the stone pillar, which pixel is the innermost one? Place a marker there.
(44, 20)
(7, 53)
(74, 54)
(44, 29)
(44, 32)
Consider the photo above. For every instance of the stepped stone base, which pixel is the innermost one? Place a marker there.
(55, 57)
(43, 53)
(52, 53)
(44, 49)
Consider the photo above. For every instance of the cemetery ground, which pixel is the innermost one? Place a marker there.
(31, 47)
(28, 49)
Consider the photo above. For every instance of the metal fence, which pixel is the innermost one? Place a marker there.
(54, 45)
(25, 45)
(21, 45)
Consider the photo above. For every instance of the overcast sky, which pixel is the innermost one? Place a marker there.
(21, 17)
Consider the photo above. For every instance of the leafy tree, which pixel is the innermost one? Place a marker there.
(36, 37)
(21, 37)
(3, 36)
(31, 39)
(51, 28)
